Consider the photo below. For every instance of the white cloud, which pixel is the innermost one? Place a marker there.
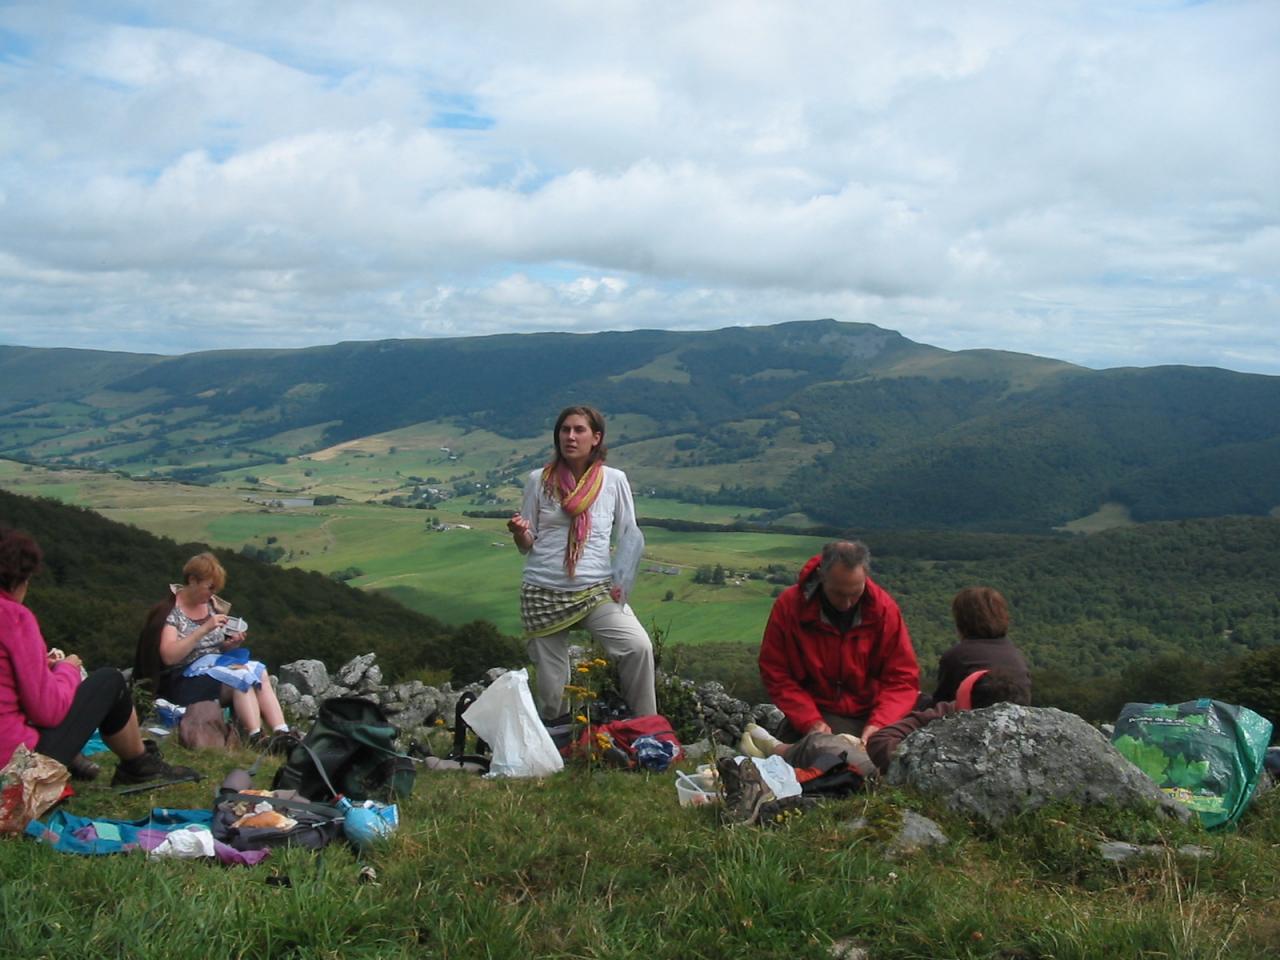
(1095, 182)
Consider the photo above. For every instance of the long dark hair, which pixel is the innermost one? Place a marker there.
(595, 418)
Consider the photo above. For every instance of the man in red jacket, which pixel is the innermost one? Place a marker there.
(836, 656)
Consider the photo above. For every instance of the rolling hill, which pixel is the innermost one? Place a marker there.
(845, 424)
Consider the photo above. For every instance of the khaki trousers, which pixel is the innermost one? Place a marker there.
(619, 633)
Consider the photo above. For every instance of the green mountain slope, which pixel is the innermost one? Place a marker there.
(849, 424)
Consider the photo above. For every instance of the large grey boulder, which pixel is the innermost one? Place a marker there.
(1004, 760)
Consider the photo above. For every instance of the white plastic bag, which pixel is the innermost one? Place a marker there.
(779, 775)
(504, 717)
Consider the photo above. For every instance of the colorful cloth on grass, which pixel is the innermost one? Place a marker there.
(94, 744)
(234, 669)
(68, 833)
(545, 611)
(576, 498)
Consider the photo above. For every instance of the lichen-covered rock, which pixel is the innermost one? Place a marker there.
(915, 832)
(308, 676)
(305, 708)
(1004, 760)
(352, 672)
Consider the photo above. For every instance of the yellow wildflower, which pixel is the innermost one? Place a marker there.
(584, 669)
(580, 718)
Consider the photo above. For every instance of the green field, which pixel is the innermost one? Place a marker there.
(468, 572)
(1104, 518)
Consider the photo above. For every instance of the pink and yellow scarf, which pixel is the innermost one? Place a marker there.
(575, 500)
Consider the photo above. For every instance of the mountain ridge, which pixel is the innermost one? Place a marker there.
(836, 421)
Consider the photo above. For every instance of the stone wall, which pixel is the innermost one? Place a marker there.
(415, 707)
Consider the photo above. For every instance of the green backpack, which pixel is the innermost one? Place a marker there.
(349, 751)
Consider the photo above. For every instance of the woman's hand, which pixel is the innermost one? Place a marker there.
(56, 656)
(213, 623)
(615, 592)
(518, 527)
(233, 640)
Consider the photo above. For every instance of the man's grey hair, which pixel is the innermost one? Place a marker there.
(847, 553)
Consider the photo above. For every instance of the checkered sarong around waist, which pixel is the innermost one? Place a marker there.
(545, 611)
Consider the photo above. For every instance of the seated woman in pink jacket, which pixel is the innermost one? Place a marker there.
(44, 704)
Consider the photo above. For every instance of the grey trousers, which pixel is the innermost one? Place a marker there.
(624, 641)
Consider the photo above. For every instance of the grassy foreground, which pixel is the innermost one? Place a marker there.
(605, 864)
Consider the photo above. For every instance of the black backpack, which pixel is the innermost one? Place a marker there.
(350, 750)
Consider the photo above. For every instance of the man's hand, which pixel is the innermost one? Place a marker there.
(867, 731)
(820, 727)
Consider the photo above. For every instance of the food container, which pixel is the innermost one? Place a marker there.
(692, 793)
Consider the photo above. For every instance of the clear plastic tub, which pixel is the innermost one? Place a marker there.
(691, 793)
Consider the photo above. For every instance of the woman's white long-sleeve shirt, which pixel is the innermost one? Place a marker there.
(613, 512)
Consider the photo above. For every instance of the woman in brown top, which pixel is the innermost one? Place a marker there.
(982, 619)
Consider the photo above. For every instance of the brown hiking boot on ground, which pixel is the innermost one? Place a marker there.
(149, 767)
(745, 792)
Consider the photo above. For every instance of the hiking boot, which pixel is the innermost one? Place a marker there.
(82, 768)
(745, 791)
(150, 767)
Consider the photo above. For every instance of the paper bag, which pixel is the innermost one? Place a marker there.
(30, 784)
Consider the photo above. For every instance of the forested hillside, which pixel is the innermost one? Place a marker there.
(1164, 611)
(101, 577)
(843, 423)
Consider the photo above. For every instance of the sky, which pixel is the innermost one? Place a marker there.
(1096, 181)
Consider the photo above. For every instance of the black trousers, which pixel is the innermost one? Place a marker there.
(102, 702)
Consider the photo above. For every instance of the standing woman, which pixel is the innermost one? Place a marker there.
(193, 624)
(572, 509)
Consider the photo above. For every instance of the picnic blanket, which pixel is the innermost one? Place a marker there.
(157, 834)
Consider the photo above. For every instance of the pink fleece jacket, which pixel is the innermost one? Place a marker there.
(33, 694)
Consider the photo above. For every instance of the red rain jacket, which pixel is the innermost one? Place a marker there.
(808, 666)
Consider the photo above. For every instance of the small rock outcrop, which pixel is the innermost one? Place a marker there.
(1001, 761)
(915, 832)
